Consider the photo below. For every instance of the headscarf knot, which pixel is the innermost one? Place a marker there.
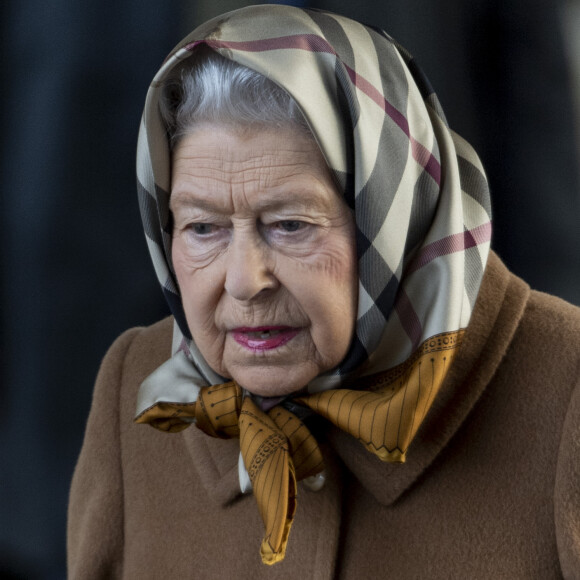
(277, 449)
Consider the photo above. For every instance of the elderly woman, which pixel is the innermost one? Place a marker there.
(374, 394)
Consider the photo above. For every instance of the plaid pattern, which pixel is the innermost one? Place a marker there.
(418, 190)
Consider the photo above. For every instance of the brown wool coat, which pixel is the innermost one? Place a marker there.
(491, 487)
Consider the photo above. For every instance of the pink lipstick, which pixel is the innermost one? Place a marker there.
(264, 337)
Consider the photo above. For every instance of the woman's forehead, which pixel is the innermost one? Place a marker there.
(274, 168)
(210, 161)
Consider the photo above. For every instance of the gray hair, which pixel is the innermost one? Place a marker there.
(208, 88)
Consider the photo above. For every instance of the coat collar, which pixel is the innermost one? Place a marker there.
(498, 311)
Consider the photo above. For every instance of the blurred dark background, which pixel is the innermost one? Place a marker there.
(74, 266)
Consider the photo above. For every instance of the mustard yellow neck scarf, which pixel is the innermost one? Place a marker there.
(277, 448)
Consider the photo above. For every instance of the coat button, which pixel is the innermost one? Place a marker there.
(315, 482)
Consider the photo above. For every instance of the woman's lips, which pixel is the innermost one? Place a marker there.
(264, 337)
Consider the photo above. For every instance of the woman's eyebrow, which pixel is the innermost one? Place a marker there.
(305, 200)
(183, 201)
(300, 200)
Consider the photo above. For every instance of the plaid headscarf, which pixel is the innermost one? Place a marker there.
(418, 190)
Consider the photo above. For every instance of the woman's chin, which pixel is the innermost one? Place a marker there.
(272, 382)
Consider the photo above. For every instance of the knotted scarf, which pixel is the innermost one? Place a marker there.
(422, 211)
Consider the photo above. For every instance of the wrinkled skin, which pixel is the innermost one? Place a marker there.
(264, 252)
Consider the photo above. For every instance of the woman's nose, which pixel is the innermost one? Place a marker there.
(249, 269)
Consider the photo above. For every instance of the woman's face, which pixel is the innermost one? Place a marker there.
(264, 252)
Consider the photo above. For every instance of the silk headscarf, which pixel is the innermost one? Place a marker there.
(418, 192)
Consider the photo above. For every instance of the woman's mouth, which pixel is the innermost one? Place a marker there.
(264, 337)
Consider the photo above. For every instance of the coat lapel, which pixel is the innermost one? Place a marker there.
(216, 461)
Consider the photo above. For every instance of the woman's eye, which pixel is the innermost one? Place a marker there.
(202, 229)
(290, 225)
